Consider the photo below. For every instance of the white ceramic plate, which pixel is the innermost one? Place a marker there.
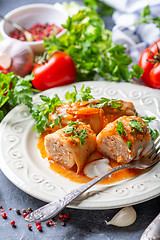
(21, 162)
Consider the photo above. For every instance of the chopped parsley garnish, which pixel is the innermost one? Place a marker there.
(147, 119)
(57, 121)
(71, 123)
(41, 112)
(113, 103)
(84, 95)
(129, 145)
(120, 129)
(135, 124)
(81, 134)
(154, 134)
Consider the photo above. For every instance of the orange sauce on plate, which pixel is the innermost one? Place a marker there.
(81, 177)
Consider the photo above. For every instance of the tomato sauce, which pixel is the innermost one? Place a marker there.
(72, 175)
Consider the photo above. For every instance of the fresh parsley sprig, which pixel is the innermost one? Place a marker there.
(106, 102)
(14, 90)
(41, 112)
(146, 17)
(153, 132)
(81, 134)
(84, 95)
(147, 119)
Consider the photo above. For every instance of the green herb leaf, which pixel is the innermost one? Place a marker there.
(71, 123)
(146, 18)
(137, 72)
(105, 102)
(129, 145)
(69, 129)
(101, 7)
(57, 121)
(154, 134)
(14, 90)
(84, 95)
(120, 129)
(145, 12)
(147, 119)
(135, 124)
(81, 134)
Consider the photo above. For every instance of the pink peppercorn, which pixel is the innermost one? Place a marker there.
(25, 214)
(4, 215)
(39, 227)
(38, 223)
(12, 223)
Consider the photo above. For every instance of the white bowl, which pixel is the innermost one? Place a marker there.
(28, 15)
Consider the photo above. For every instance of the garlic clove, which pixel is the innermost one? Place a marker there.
(5, 60)
(125, 217)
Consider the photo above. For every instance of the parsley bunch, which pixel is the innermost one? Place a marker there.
(14, 90)
(90, 46)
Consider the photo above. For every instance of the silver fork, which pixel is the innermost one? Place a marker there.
(53, 208)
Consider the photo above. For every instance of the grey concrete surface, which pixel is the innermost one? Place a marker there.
(85, 225)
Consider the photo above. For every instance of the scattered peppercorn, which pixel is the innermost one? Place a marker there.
(24, 210)
(13, 223)
(29, 209)
(48, 224)
(10, 209)
(29, 227)
(18, 212)
(38, 223)
(61, 216)
(25, 214)
(4, 215)
(39, 227)
(63, 224)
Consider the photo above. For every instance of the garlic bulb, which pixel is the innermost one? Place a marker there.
(16, 56)
(125, 217)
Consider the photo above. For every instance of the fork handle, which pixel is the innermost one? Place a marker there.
(52, 209)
